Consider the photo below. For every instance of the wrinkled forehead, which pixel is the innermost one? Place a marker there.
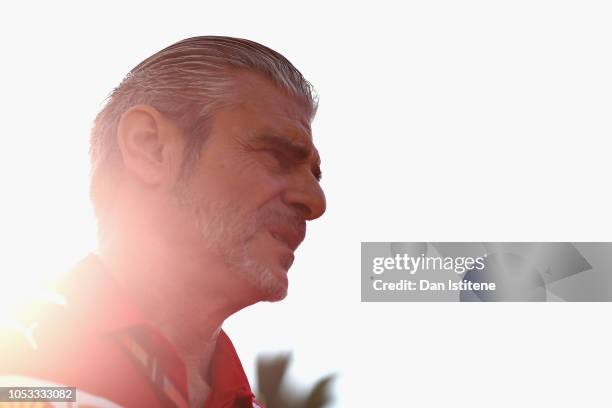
(274, 107)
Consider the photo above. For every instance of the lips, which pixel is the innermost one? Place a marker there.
(290, 236)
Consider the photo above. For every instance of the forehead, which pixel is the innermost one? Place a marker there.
(271, 109)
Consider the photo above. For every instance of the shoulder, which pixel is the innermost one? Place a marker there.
(54, 349)
(46, 337)
(27, 344)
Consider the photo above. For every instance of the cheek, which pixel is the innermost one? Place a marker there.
(245, 183)
(261, 191)
(255, 186)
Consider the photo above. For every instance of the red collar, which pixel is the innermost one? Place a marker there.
(103, 307)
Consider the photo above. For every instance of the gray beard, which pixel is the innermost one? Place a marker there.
(227, 233)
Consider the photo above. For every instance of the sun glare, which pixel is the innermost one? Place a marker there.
(46, 224)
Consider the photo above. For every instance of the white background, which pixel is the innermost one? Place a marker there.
(439, 120)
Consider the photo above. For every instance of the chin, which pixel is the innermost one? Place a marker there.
(269, 283)
(274, 297)
(273, 285)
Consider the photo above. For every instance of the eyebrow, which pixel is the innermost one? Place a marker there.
(296, 150)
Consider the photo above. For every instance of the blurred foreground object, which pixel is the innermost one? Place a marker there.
(275, 393)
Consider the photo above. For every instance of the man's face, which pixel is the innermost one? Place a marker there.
(255, 185)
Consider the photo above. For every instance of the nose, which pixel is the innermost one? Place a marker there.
(306, 196)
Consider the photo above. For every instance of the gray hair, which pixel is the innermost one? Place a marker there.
(188, 82)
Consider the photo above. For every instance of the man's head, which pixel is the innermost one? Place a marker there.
(214, 134)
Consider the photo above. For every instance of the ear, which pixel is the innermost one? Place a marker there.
(147, 140)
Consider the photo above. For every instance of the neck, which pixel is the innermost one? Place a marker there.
(185, 293)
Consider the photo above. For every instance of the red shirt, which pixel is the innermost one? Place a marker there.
(100, 344)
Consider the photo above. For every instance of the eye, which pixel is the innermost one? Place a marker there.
(280, 157)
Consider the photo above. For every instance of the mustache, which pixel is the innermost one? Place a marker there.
(270, 217)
